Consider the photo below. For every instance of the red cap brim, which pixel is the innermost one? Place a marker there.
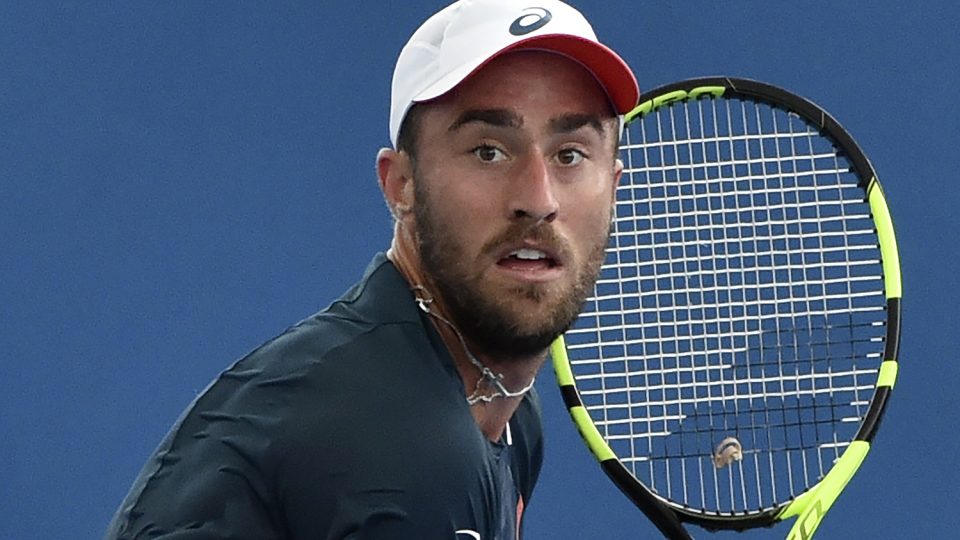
(613, 74)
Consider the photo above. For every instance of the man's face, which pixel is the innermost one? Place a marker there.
(513, 185)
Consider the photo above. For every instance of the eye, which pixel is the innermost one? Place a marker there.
(489, 154)
(570, 156)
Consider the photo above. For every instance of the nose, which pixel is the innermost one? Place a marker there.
(533, 197)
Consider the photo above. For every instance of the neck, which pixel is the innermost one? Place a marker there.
(491, 413)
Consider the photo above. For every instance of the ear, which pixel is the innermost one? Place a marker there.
(395, 174)
(617, 174)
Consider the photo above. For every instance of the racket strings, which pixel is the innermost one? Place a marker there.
(740, 298)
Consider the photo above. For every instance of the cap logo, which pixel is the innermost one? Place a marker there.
(529, 22)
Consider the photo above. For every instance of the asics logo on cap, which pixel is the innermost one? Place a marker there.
(528, 22)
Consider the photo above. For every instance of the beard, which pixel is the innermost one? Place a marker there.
(495, 323)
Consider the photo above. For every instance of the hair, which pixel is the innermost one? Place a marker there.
(410, 131)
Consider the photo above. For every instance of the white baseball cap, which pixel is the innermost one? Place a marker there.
(461, 38)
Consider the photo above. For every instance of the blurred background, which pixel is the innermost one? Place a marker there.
(180, 181)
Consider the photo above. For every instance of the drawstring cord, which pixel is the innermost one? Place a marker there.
(487, 377)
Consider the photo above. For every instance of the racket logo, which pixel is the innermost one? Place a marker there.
(533, 19)
(675, 96)
(807, 522)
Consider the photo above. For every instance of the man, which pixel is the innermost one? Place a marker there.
(405, 410)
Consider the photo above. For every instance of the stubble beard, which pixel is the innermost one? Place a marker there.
(493, 323)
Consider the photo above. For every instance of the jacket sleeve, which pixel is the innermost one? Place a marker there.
(208, 479)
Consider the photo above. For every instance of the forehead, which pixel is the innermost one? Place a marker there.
(531, 83)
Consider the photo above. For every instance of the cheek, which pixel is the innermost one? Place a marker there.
(462, 219)
(591, 209)
(462, 197)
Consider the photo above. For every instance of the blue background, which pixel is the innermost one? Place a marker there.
(179, 181)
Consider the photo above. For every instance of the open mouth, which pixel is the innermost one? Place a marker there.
(528, 259)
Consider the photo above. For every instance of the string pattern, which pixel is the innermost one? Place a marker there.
(741, 297)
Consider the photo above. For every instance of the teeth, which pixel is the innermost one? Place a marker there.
(529, 254)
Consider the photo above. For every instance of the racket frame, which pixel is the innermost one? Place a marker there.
(810, 506)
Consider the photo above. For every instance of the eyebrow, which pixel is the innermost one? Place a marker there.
(494, 117)
(569, 123)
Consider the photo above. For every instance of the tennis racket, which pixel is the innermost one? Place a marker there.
(737, 355)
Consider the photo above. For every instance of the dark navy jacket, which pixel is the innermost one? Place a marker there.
(352, 424)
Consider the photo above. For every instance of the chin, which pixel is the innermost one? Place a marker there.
(538, 311)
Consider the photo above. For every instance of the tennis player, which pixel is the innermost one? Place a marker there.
(406, 409)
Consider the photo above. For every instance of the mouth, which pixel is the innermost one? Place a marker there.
(530, 263)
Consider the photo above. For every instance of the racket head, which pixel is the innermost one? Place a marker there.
(733, 364)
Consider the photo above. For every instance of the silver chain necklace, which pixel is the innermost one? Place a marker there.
(487, 378)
